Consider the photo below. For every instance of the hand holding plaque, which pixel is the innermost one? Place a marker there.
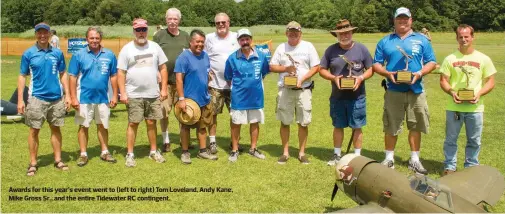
(291, 79)
(404, 76)
(466, 94)
(348, 82)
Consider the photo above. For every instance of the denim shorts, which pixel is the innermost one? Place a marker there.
(348, 113)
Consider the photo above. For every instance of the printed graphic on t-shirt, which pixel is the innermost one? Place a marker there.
(144, 60)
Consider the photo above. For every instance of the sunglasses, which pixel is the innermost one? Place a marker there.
(221, 23)
(142, 29)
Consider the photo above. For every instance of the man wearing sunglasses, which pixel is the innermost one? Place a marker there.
(173, 41)
(219, 45)
(139, 62)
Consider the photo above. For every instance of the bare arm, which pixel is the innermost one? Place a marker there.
(73, 92)
(446, 87)
(164, 81)
(113, 100)
(488, 87)
(21, 88)
(121, 81)
(179, 81)
(64, 83)
(281, 69)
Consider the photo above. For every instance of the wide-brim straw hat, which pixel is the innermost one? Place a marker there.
(192, 114)
(343, 25)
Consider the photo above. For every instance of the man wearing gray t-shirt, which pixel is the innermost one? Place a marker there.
(351, 60)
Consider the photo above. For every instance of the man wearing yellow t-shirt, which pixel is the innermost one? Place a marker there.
(465, 69)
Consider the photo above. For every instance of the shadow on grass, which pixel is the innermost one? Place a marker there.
(332, 209)
(276, 150)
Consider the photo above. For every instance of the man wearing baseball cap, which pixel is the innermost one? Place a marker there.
(298, 60)
(346, 58)
(46, 65)
(404, 99)
(139, 63)
(244, 72)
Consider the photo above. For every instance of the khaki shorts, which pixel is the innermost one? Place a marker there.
(39, 110)
(398, 105)
(218, 98)
(169, 103)
(144, 108)
(87, 112)
(294, 102)
(247, 116)
(205, 120)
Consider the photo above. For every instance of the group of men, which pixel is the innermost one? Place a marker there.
(181, 70)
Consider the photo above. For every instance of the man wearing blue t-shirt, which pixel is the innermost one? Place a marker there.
(46, 65)
(92, 73)
(404, 99)
(192, 78)
(244, 71)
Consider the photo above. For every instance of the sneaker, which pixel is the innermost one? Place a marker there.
(107, 157)
(334, 160)
(388, 163)
(157, 157)
(206, 155)
(233, 157)
(417, 167)
(283, 159)
(448, 172)
(186, 158)
(83, 160)
(256, 153)
(303, 160)
(166, 148)
(213, 148)
(240, 149)
(130, 161)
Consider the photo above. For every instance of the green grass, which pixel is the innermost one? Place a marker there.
(258, 186)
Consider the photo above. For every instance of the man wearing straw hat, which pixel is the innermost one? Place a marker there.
(244, 71)
(404, 52)
(346, 58)
(192, 69)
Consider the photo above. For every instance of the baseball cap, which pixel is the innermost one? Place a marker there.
(294, 25)
(42, 25)
(403, 11)
(139, 23)
(243, 32)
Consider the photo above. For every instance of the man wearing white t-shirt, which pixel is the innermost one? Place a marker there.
(295, 58)
(139, 62)
(219, 45)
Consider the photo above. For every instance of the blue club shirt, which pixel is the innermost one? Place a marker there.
(246, 76)
(196, 75)
(44, 65)
(93, 74)
(415, 45)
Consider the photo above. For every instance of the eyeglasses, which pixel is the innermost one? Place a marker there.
(221, 23)
(142, 29)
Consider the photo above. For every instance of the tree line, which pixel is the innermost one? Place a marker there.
(370, 15)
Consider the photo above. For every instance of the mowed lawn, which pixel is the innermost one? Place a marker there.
(257, 185)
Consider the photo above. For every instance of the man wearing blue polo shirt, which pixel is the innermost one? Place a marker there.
(92, 73)
(404, 99)
(244, 71)
(46, 65)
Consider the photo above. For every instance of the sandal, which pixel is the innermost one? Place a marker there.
(61, 166)
(32, 169)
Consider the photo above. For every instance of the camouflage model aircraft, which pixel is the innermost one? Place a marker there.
(378, 188)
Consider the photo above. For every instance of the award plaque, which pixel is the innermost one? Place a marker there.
(347, 83)
(404, 76)
(466, 94)
(292, 79)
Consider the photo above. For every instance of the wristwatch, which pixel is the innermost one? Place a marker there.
(181, 98)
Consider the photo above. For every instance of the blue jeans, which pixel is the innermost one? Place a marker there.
(473, 125)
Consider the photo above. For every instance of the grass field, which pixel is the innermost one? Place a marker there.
(258, 186)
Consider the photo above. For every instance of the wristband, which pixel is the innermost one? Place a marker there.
(361, 77)
(420, 73)
(181, 98)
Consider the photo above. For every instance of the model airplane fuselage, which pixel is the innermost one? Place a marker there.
(378, 188)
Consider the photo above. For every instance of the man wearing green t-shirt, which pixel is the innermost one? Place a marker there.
(173, 41)
(465, 69)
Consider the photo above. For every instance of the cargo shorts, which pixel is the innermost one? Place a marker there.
(144, 108)
(405, 105)
(37, 111)
(218, 98)
(294, 102)
(169, 103)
